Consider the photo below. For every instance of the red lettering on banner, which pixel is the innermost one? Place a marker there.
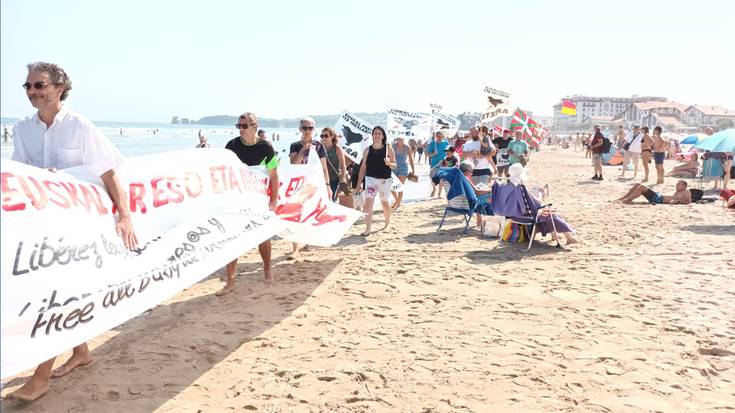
(233, 180)
(294, 185)
(196, 190)
(175, 188)
(89, 198)
(38, 200)
(137, 191)
(219, 184)
(72, 190)
(321, 217)
(158, 200)
(8, 193)
(62, 202)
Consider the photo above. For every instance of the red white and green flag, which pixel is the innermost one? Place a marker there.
(498, 130)
(521, 121)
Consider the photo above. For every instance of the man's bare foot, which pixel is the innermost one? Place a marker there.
(626, 202)
(73, 362)
(571, 240)
(268, 276)
(228, 288)
(365, 233)
(30, 391)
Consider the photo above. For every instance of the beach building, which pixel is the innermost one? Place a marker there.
(588, 107)
(652, 113)
(708, 115)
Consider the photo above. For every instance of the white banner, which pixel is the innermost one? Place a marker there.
(411, 125)
(65, 275)
(446, 124)
(356, 135)
(497, 103)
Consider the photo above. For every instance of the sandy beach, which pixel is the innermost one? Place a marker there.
(639, 316)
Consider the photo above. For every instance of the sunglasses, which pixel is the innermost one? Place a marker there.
(324, 136)
(36, 85)
(307, 128)
(245, 125)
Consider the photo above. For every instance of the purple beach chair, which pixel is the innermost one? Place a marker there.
(518, 207)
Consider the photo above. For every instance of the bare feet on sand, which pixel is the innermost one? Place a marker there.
(76, 360)
(30, 391)
(228, 288)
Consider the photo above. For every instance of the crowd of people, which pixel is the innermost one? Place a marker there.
(478, 156)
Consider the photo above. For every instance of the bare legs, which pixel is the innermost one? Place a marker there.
(634, 192)
(645, 159)
(369, 202)
(38, 385)
(660, 173)
(398, 196)
(265, 254)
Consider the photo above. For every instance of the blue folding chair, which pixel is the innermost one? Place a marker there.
(518, 207)
(461, 197)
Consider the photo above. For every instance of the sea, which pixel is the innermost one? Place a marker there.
(141, 138)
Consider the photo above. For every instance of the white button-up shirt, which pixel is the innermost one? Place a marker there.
(72, 140)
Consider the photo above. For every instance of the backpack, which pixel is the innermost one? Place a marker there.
(696, 194)
(606, 145)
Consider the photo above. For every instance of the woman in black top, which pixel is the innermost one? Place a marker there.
(378, 161)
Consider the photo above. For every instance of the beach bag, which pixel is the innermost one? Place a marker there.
(696, 194)
(627, 144)
(513, 232)
(606, 145)
(493, 226)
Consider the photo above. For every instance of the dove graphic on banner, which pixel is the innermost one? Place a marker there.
(497, 103)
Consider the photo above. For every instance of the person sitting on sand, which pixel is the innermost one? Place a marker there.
(688, 169)
(682, 196)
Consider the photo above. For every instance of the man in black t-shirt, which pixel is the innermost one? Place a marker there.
(501, 157)
(254, 152)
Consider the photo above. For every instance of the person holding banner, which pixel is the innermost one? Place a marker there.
(301, 153)
(55, 138)
(254, 151)
(335, 160)
(378, 162)
(404, 157)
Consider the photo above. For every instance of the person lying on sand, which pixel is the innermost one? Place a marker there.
(682, 196)
(688, 169)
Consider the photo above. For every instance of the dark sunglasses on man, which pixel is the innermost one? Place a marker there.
(305, 128)
(36, 85)
(245, 125)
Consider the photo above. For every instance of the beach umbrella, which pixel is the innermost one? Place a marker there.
(692, 139)
(723, 141)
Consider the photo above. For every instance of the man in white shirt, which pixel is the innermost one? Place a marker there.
(55, 138)
(483, 162)
(633, 151)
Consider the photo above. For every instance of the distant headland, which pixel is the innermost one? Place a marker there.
(377, 118)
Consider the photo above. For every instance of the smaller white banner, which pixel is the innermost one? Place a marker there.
(497, 103)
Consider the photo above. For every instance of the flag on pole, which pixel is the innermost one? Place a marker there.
(568, 107)
(521, 121)
(498, 130)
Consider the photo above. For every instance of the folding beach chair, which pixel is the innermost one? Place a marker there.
(711, 171)
(461, 197)
(518, 207)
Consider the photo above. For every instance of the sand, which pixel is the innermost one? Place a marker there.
(637, 317)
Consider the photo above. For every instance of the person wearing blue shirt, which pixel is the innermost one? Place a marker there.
(435, 152)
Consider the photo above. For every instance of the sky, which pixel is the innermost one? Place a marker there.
(149, 60)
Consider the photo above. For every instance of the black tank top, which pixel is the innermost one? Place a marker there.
(375, 164)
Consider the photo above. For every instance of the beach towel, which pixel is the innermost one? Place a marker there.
(458, 185)
(514, 233)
